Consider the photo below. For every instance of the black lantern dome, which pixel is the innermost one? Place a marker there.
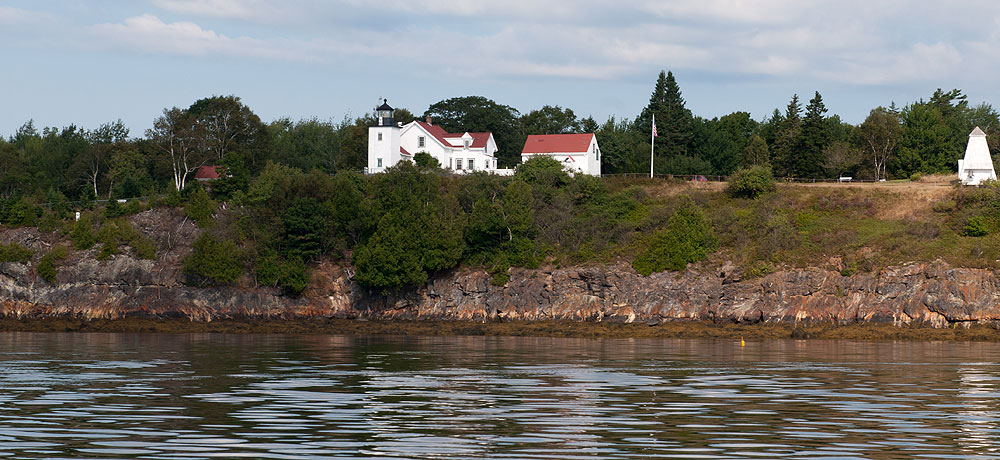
(385, 114)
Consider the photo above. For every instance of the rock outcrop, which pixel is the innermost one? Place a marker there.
(123, 286)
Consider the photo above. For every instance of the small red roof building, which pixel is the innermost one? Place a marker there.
(207, 173)
(579, 152)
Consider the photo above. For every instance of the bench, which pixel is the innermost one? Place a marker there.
(845, 179)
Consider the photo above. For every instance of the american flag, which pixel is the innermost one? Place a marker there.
(654, 126)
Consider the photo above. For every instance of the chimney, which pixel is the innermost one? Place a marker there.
(429, 120)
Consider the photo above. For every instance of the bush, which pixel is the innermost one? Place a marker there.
(14, 253)
(944, 206)
(82, 234)
(688, 238)
(47, 264)
(751, 183)
(200, 208)
(976, 226)
(119, 232)
(213, 262)
(425, 160)
(113, 209)
(291, 276)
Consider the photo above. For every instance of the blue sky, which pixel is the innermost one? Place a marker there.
(92, 61)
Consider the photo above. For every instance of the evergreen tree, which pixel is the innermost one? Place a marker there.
(786, 140)
(673, 119)
(755, 153)
(808, 160)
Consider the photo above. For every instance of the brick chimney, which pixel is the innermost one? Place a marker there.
(429, 120)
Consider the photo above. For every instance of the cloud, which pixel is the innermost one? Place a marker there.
(215, 8)
(10, 16)
(149, 34)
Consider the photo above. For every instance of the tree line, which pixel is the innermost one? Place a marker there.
(72, 163)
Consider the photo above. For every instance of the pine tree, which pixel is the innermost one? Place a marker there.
(808, 160)
(673, 119)
(786, 141)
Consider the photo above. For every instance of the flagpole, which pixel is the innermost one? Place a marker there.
(652, 143)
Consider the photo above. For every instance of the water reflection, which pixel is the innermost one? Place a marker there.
(271, 396)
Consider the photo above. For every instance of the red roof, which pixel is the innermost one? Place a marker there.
(404, 152)
(207, 172)
(558, 143)
(478, 139)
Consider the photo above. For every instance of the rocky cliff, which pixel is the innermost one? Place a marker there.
(124, 286)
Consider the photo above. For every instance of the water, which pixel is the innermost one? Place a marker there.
(282, 397)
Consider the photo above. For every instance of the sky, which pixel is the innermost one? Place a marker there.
(88, 62)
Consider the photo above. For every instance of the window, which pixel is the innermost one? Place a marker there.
(458, 163)
(379, 162)
(466, 142)
(379, 136)
(597, 153)
(472, 164)
(421, 143)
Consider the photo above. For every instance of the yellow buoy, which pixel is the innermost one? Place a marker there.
(743, 343)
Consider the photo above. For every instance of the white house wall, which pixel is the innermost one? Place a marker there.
(582, 162)
(387, 149)
(446, 155)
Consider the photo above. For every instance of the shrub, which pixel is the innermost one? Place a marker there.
(751, 183)
(291, 276)
(14, 253)
(213, 262)
(688, 238)
(425, 160)
(133, 207)
(976, 226)
(944, 206)
(23, 213)
(82, 234)
(915, 177)
(113, 209)
(119, 232)
(47, 264)
(200, 208)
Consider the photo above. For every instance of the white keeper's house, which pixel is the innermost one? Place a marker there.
(389, 143)
(578, 153)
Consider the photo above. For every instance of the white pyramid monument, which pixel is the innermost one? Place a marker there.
(978, 164)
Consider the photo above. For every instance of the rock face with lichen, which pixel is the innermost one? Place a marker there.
(124, 286)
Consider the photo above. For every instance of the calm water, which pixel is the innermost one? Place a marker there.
(266, 396)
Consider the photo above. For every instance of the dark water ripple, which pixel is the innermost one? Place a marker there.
(319, 397)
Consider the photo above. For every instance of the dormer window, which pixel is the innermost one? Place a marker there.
(421, 142)
(466, 142)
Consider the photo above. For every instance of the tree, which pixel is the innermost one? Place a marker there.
(550, 120)
(927, 144)
(673, 119)
(623, 149)
(213, 261)
(786, 140)
(479, 114)
(225, 124)
(841, 158)
(881, 132)
(755, 153)
(174, 135)
(426, 160)
(688, 238)
(808, 160)
(127, 171)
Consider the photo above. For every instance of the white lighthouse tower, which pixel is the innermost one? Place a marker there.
(977, 165)
(383, 140)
